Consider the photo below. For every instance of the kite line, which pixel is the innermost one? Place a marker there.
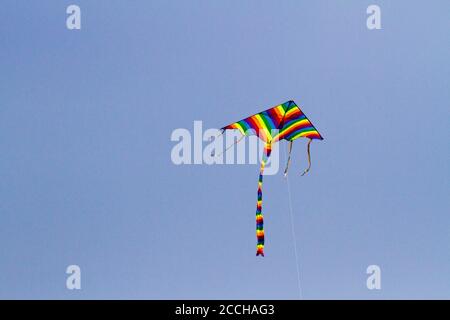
(294, 238)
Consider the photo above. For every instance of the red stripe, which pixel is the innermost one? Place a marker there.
(295, 127)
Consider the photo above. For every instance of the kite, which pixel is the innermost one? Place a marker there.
(284, 121)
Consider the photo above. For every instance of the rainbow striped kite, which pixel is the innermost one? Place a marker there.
(285, 121)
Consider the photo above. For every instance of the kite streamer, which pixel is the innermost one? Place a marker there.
(285, 121)
(288, 160)
(259, 215)
(309, 159)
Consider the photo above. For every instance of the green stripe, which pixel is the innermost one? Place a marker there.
(300, 132)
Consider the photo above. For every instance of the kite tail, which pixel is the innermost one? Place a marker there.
(259, 215)
(289, 159)
(309, 159)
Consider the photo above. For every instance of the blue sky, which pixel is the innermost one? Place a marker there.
(86, 176)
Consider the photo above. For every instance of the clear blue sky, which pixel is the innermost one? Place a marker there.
(86, 176)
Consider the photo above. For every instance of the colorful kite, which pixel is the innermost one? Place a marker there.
(285, 121)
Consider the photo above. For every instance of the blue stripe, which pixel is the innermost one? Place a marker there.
(299, 131)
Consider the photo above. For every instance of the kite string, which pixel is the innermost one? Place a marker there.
(290, 199)
(294, 237)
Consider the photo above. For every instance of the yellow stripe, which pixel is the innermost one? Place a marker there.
(263, 126)
(290, 111)
(239, 127)
(303, 134)
(301, 122)
(281, 109)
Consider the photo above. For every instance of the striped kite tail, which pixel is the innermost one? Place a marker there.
(259, 215)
